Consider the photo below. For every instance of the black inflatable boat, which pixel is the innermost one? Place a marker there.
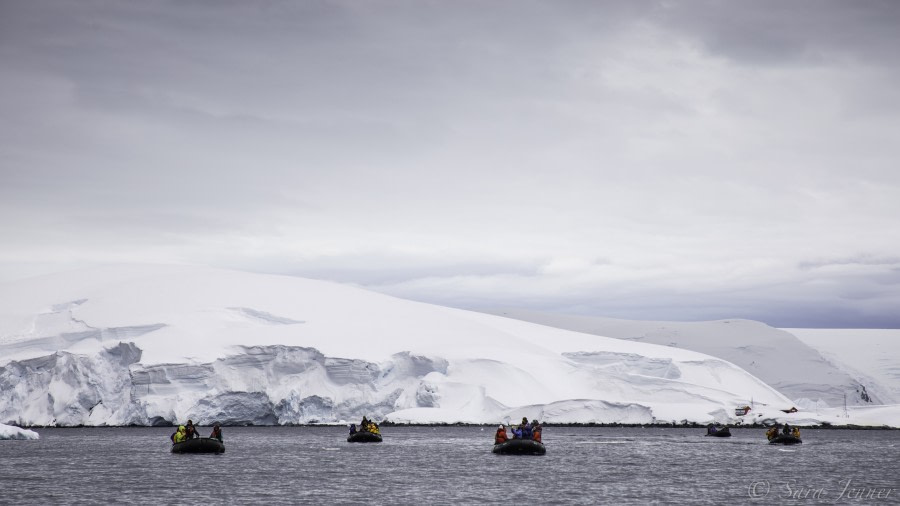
(723, 432)
(199, 445)
(785, 439)
(364, 437)
(520, 447)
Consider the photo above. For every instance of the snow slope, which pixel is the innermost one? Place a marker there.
(870, 355)
(143, 344)
(787, 363)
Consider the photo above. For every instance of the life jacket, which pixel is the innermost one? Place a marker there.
(500, 436)
(179, 435)
(795, 432)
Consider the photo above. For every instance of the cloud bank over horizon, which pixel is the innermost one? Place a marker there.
(644, 160)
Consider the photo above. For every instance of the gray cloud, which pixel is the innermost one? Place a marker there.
(710, 154)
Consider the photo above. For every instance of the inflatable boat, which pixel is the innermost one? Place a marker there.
(723, 432)
(364, 437)
(199, 445)
(520, 447)
(785, 439)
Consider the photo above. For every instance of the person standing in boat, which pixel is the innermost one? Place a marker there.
(787, 430)
(216, 432)
(190, 432)
(500, 437)
(364, 424)
(536, 430)
(526, 429)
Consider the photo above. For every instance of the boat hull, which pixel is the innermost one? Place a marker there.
(520, 447)
(785, 439)
(199, 445)
(720, 433)
(364, 437)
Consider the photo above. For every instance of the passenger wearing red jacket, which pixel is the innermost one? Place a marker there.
(500, 436)
(536, 429)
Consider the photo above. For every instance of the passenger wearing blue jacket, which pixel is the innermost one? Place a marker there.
(526, 429)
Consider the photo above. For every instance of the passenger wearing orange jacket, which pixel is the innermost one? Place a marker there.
(500, 436)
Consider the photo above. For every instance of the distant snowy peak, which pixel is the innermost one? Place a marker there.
(777, 357)
(137, 344)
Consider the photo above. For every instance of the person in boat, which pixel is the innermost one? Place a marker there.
(190, 432)
(179, 435)
(536, 430)
(364, 424)
(373, 428)
(711, 429)
(526, 429)
(795, 432)
(787, 430)
(216, 432)
(352, 428)
(500, 437)
(517, 432)
(772, 433)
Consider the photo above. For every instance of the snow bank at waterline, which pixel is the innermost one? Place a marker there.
(10, 432)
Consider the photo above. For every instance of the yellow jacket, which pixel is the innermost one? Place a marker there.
(180, 434)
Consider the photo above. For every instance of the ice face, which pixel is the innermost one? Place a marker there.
(269, 385)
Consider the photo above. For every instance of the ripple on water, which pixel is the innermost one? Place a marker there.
(434, 465)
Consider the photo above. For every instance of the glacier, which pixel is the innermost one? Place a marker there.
(790, 363)
(157, 345)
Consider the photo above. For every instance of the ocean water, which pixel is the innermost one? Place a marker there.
(451, 465)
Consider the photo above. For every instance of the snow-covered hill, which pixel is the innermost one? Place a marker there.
(870, 355)
(157, 344)
(776, 356)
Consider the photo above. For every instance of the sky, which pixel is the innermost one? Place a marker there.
(654, 160)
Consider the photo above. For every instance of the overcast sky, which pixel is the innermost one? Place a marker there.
(636, 159)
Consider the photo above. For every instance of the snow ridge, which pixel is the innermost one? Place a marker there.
(264, 317)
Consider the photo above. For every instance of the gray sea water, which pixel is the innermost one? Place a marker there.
(451, 465)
